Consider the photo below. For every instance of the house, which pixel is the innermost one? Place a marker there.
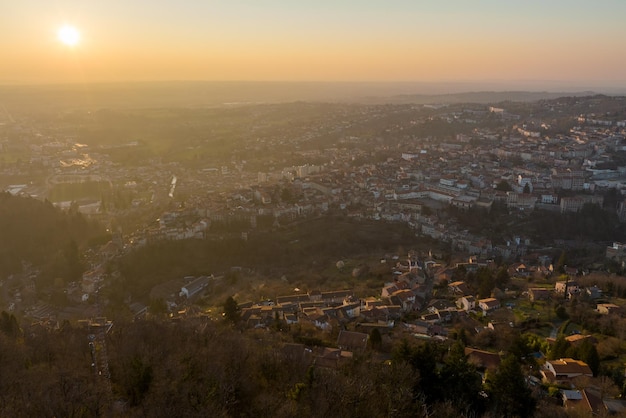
(404, 298)
(439, 305)
(352, 310)
(576, 339)
(563, 370)
(578, 400)
(291, 319)
(488, 304)
(195, 287)
(570, 287)
(352, 341)
(431, 318)
(319, 320)
(607, 308)
(573, 339)
(393, 311)
(419, 327)
(522, 270)
(537, 293)
(332, 358)
(392, 288)
(484, 360)
(381, 314)
(593, 292)
(589, 402)
(371, 302)
(466, 303)
(337, 296)
(293, 298)
(499, 326)
(459, 287)
(315, 295)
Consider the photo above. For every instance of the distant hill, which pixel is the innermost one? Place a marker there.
(54, 98)
(479, 97)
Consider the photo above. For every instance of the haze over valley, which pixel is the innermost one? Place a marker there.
(236, 209)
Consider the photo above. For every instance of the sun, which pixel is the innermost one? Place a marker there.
(68, 35)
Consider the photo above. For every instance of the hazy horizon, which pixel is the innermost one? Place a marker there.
(92, 96)
(399, 87)
(571, 45)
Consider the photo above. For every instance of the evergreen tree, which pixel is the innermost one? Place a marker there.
(502, 277)
(158, 306)
(423, 359)
(559, 348)
(231, 310)
(375, 339)
(461, 381)
(508, 392)
(588, 353)
(561, 263)
(504, 186)
(486, 282)
(9, 325)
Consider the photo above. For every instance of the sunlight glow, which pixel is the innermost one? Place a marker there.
(68, 35)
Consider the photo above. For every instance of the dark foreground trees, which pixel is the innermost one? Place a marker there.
(508, 392)
(199, 367)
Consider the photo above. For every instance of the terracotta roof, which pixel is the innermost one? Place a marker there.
(352, 340)
(481, 358)
(570, 366)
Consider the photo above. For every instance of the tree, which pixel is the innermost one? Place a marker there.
(423, 359)
(559, 348)
(139, 377)
(504, 186)
(561, 263)
(588, 353)
(231, 310)
(509, 394)
(375, 339)
(158, 306)
(461, 381)
(561, 312)
(486, 282)
(502, 277)
(9, 325)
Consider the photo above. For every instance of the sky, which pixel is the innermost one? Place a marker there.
(558, 42)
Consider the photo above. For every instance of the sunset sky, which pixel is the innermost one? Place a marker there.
(566, 41)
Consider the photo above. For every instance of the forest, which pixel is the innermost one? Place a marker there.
(199, 367)
(36, 234)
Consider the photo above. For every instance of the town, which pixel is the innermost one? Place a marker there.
(487, 223)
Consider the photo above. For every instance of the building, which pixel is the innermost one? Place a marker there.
(195, 287)
(616, 252)
(488, 304)
(567, 288)
(352, 341)
(537, 293)
(466, 303)
(563, 370)
(607, 308)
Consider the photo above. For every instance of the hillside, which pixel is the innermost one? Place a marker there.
(38, 234)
